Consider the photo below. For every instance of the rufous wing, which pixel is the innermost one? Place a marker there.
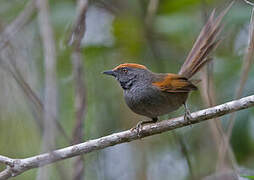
(174, 83)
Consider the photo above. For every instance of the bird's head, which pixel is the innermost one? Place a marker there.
(128, 74)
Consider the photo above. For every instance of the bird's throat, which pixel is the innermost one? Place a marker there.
(127, 84)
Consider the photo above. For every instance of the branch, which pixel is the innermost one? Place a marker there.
(50, 94)
(250, 3)
(78, 70)
(6, 37)
(11, 30)
(78, 33)
(208, 95)
(18, 166)
(246, 67)
(46, 32)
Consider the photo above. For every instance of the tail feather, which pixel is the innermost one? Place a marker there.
(206, 42)
(205, 58)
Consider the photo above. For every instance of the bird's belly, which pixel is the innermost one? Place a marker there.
(153, 103)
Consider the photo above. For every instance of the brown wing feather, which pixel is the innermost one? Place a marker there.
(175, 83)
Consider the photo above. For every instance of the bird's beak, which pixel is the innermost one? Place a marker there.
(110, 72)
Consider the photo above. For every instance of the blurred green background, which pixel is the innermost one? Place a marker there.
(118, 32)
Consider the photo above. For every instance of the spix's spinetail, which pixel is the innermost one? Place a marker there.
(154, 94)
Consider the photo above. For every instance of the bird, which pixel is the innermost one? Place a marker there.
(153, 94)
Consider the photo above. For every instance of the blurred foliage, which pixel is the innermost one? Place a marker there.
(162, 46)
(249, 177)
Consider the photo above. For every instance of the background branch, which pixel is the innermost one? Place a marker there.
(10, 31)
(19, 166)
(77, 35)
(246, 66)
(50, 93)
(9, 65)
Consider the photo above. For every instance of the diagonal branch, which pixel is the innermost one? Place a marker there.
(18, 166)
(17, 24)
(6, 37)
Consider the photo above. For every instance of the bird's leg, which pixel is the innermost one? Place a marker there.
(187, 114)
(140, 124)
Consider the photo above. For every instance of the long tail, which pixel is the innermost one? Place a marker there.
(206, 42)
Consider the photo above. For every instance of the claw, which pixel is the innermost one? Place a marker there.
(187, 115)
(140, 124)
(138, 128)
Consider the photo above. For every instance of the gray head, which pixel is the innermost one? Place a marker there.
(129, 74)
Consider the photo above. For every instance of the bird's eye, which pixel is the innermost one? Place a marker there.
(124, 70)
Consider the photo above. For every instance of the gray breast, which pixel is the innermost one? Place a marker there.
(151, 102)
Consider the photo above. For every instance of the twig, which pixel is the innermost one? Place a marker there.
(248, 58)
(78, 32)
(79, 25)
(17, 24)
(5, 174)
(21, 165)
(250, 3)
(6, 37)
(31, 95)
(6, 40)
(6, 160)
(6, 65)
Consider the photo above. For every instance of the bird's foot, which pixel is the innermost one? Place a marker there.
(138, 128)
(140, 124)
(187, 115)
